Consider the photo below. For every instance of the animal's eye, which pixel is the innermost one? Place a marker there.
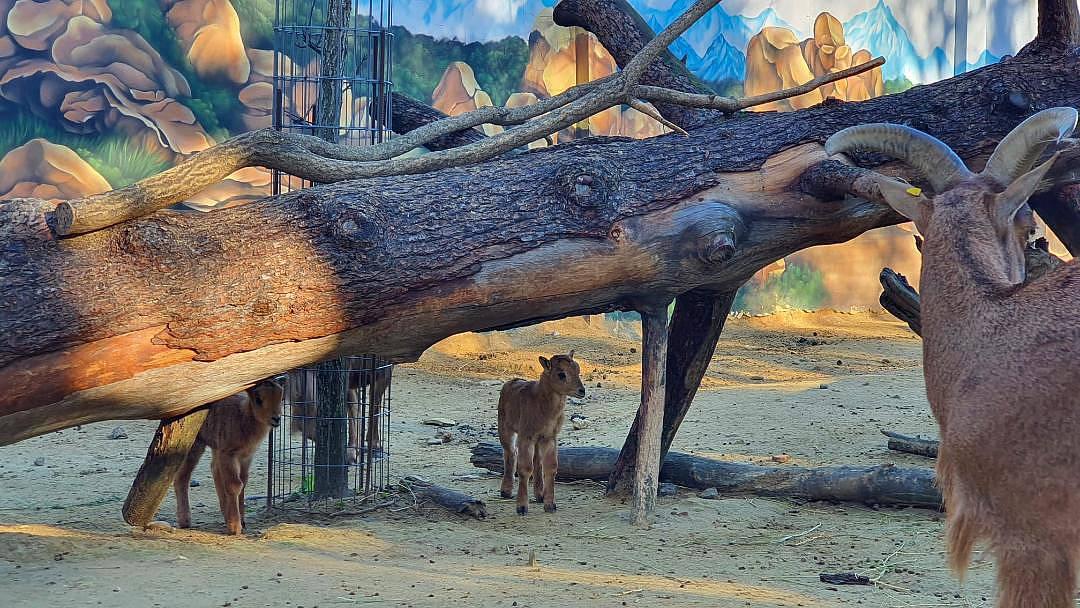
(258, 401)
(562, 375)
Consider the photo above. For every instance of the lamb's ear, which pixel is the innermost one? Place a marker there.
(1017, 193)
(571, 355)
(905, 199)
(545, 363)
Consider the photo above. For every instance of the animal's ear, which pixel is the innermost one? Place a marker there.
(905, 199)
(571, 355)
(545, 363)
(1009, 202)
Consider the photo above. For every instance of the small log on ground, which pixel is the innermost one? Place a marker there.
(885, 485)
(912, 445)
(167, 451)
(458, 502)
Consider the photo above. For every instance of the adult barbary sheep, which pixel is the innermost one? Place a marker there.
(999, 355)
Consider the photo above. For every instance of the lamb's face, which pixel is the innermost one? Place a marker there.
(266, 402)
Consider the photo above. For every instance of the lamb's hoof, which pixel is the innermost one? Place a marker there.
(506, 494)
(550, 508)
(522, 510)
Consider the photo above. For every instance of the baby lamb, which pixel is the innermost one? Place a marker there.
(233, 429)
(532, 410)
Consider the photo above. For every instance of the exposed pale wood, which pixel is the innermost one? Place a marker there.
(885, 485)
(653, 385)
(166, 454)
(448, 498)
(695, 328)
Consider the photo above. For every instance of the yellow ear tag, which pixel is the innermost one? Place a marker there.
(913, 191)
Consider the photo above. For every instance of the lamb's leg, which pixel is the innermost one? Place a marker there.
(506, 438)
(538, 467)
(182, 484)
(245, 469)
(226, 469)
(353, 453)
(525, 459)
(550, 457)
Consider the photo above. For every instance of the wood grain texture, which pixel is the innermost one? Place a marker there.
(393, 264)
(166, 454)
(653, 381)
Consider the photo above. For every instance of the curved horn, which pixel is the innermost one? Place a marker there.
(926, 154)
(1019, 150)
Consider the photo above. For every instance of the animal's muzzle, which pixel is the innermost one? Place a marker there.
(275, 421)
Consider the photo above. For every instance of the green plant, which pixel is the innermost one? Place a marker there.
(114, 156)
(256, 22)
(897, 85)
(798, 286)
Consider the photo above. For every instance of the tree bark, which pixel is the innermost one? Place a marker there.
(884, 485)
(458, 502)
(900, 299)
(912, 445)
(332, 69)
(409, 114)
(1059, 22)
(331, 428)
(189, 308)
(651, 412)
(695, 328)
(166, 454)
(623, 33)
(1060, 209)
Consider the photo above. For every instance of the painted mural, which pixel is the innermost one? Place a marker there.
(96, 94)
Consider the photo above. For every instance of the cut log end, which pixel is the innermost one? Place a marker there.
(453, 500)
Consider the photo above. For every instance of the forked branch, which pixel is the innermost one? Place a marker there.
(316, 160)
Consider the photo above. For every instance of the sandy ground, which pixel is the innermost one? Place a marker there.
(63, 542)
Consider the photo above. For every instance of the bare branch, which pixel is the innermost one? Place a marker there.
(314, 159)
(731, 104)
(651, 112)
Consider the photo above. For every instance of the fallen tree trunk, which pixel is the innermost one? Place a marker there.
(884, 485)
(155, 316)
(458, 502)
(912, 445)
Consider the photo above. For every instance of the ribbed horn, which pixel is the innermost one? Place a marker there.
(926, 154)
(1017, 152)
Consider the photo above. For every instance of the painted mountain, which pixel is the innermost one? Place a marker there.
(878, 31)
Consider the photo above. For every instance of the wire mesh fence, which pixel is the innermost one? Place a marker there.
(332, 73)
(334, 448)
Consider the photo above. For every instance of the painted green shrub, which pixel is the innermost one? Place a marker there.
(798, 286)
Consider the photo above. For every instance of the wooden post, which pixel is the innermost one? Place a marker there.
(654, 322)
(167, 451)
(331, 429)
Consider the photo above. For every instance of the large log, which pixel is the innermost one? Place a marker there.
(885, 485)
(156, 316)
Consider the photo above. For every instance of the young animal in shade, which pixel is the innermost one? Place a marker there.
(532, 412)
(233, 429)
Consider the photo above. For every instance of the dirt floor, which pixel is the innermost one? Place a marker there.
(815, 386)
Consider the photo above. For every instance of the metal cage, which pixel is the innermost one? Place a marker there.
(332, 73)
(333, 446)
